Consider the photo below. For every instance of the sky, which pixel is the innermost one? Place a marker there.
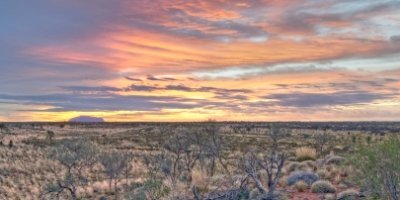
(193, 60)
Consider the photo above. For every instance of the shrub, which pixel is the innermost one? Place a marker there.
(329, 197)
(155, 188)
(323, 187)
(348, 195)
(308, 165)
(379, 167)
(301, 186)
(334, 160)
(50, 136)
(323, 174)
(114, 164)
(307, 177)
(305, 153)
(76, 156)
(292, 166)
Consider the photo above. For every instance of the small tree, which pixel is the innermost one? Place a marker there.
(76, 156)
(186, 148)
(175, 146)
(2, 126)
(272, 164)
(50, 136)
(214, 145)
(320, 141)
(127, 169)
(159, 166)
(276, 135)
(114, 164)
(10, 144)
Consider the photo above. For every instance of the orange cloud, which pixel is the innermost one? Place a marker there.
(277, 50)
(149, 52)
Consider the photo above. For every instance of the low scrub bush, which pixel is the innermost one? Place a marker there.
(348, 195)
(323, 187)
(307, 177)
(305, 153)
(336, 160)
(301, 186)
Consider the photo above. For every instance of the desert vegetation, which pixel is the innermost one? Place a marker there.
(199, 161)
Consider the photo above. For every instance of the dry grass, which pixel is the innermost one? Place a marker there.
(301, 186)
(25, 168)
(306, 153)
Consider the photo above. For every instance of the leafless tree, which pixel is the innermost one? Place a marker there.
(215, 148)
(158, 163)
(115, 163)
(321, 140)
(176, 145)
(127, 169)
(276, 135)
(50, 136)
(272, 164)
(75, 156)
(186, 147)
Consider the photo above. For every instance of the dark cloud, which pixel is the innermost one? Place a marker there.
(153, 78)
(326, 99)
(180, 87)
(222, 90)
(303, 18)
(147, 88)
(109, 102)
(395, 38)
(91, 89)
(350, 85)
(132, 79)
(228, 96)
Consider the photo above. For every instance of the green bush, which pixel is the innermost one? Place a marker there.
(323, 187)
(379, 169)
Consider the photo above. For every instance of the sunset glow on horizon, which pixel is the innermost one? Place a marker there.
(227, 60)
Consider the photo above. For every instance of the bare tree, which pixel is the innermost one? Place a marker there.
(215, 148)
(276, 135)
(114, 164)
(158, 163)
(272, 164)
(176, 145)
(186, 147)
(128, 167)
(75, 156)
(321, 140)
(193, 152)
(50, 136)
(159, 167)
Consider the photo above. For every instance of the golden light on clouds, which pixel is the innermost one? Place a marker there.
(194, 60)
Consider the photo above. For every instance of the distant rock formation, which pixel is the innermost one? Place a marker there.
(86, 119)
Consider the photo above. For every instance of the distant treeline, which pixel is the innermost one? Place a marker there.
(372, 127)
